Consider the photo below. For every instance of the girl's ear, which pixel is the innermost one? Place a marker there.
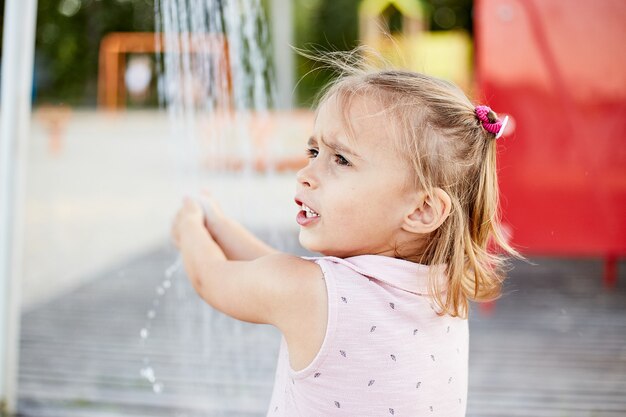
(429, 212)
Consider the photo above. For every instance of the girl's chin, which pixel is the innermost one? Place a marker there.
(309, 244)
(312, 243)
(317, 247)
(305, 243)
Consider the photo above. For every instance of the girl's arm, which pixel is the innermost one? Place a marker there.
(283, 290)
(237, 243)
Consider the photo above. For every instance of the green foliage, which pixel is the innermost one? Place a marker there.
(330, 25)
(68, 40)
(450, 14)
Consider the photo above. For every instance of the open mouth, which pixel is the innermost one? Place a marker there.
(306, 215)
(309, 212)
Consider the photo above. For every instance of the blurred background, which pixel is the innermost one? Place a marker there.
(138, 102)
(70, 32)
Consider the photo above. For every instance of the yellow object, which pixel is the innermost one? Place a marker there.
(444, 54)
(409, 8)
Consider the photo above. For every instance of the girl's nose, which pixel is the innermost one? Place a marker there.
(306, 178)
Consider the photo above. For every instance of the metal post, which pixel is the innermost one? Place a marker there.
(281, 19)
(17, 77)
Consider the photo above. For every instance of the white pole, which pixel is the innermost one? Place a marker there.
(282, 25)
(17, 78)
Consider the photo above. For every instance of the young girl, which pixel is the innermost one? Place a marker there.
(400, 196)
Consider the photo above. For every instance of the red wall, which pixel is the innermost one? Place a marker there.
(558, 67)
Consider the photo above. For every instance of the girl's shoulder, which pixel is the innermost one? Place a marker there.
(296, 285)
(290, 265)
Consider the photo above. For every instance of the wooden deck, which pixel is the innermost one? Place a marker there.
(554, 346)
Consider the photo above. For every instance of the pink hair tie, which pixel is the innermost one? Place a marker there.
(497, 127)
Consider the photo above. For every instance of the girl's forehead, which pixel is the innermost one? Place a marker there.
(361, 124)
(353, 116)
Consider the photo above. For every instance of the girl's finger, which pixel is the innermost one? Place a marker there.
(187, 201)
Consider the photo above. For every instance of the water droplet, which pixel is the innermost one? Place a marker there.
(151, 314)
(157, 387)
(167, 283)
(160, 290)
(143, 333)
(148, 373)
(169, 272)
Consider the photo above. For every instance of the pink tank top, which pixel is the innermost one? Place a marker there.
(386, 352)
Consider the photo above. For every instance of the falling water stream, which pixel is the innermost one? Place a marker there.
(216, 83)
(214, 77)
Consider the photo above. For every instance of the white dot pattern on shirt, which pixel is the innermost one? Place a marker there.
(393, 306)
(393, 357)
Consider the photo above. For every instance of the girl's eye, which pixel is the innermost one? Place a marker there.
(311, 152)
(341, 160)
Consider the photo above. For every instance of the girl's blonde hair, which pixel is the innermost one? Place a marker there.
(447, 147)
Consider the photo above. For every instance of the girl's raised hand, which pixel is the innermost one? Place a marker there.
(213, 213)
(190, 218)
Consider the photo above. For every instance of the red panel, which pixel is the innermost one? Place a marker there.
(558, 67)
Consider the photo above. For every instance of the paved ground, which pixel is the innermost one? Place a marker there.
(554, 346)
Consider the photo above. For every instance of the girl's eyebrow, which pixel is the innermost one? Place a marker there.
(337, 147)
